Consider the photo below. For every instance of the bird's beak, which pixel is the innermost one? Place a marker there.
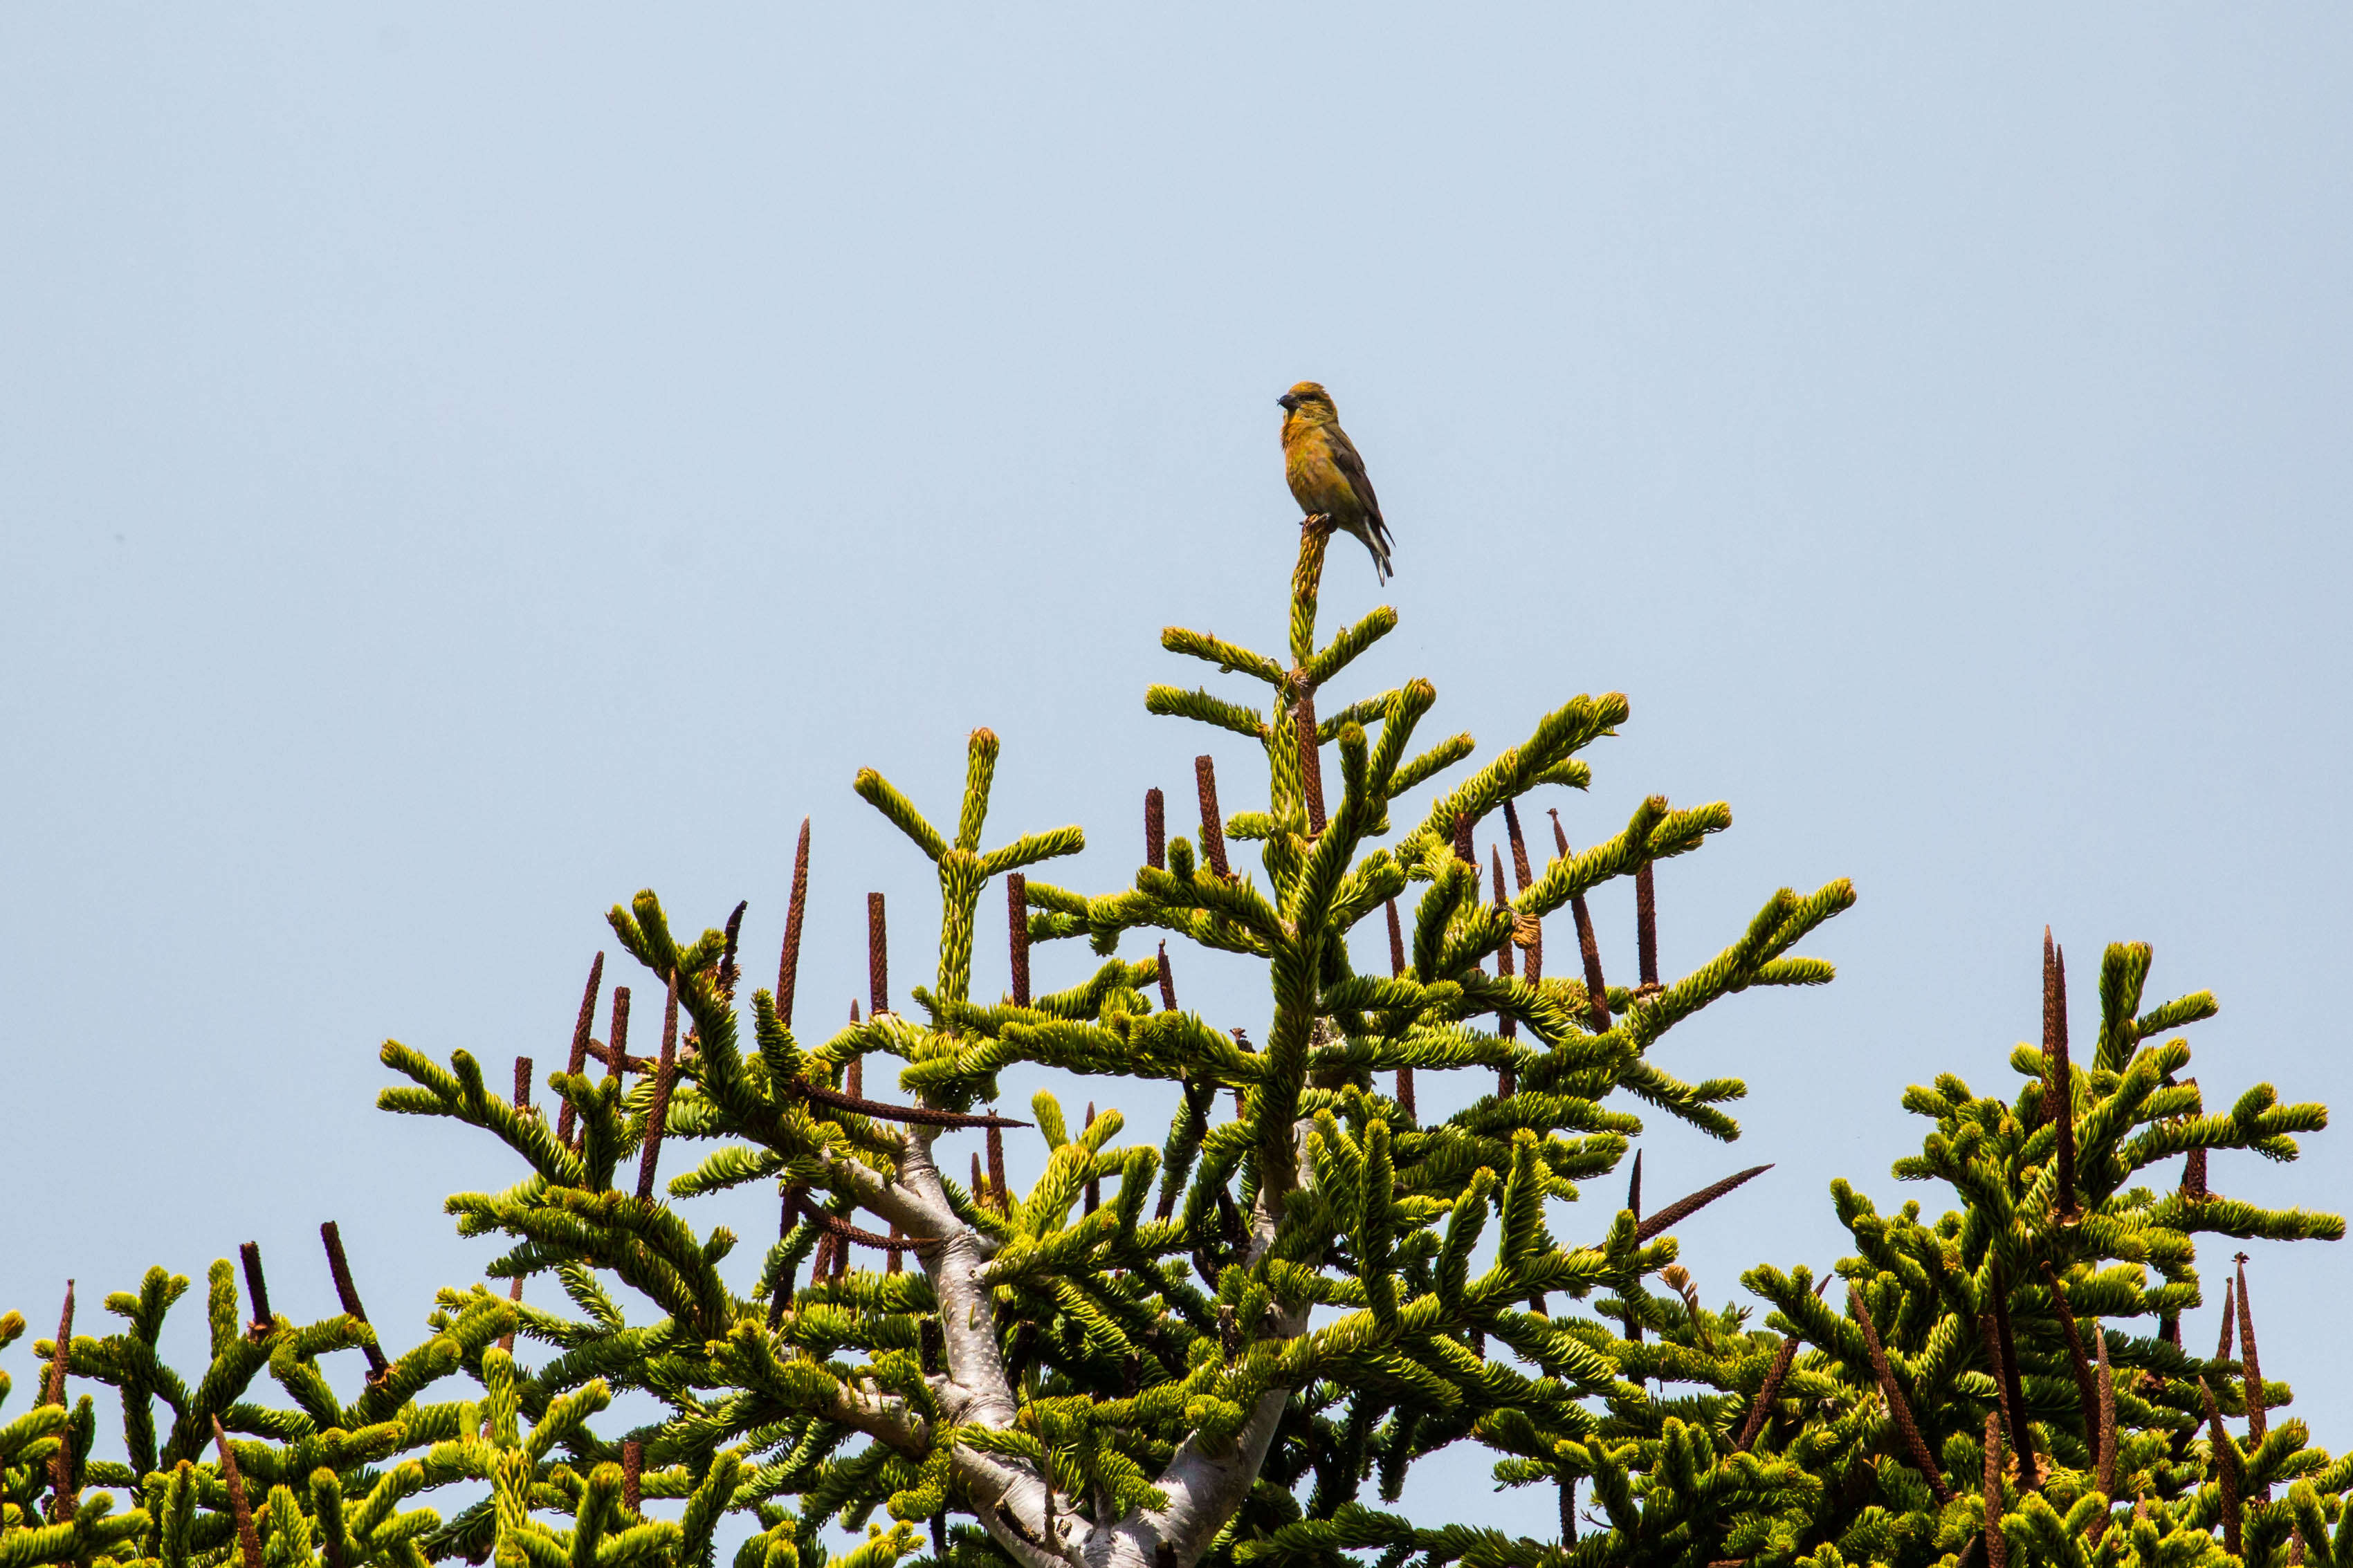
(1288, 403)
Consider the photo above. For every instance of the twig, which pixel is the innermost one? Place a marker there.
(877, 958)
(61, 1482)
(2227, 1479)
(789, 1217)
(348, 1294)
(618, 1059)
(657, 1114)
(2086, 1389)
(1522, 877)
(1167, 982)
(2058, 1084)
(1095, 1183)
(1771, 1390)
(1893, 1394)
(1397, 971)
(1646, 926)
(1683, 1208)
(1506, 1025)
(522, 1104)
(258, 1288)
(923, 1115)
(2013, 1390)
(1997, 1545)
(1016, 917)
(1597, 990)
(2106, 1480)
(633, 1466)
(1213, 826)
(788, 961)
(249, 1540)
(577, 1062)
(2256, 1423)
(728, 972)
(1311, 760)
(996, 1189)
(1634, 1207)
(1156, 830)
(599, 1051)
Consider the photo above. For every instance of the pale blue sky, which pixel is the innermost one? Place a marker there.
(460, 466)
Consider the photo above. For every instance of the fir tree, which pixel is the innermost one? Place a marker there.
(1123, 1365)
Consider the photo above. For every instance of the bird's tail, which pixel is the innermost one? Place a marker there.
(1377, 540)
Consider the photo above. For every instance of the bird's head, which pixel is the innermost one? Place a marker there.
(1308, 400)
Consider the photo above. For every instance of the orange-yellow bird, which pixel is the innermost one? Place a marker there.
(1328, 478)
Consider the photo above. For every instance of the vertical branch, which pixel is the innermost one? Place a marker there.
(1506, 1026)
(1771, 1390)
(62, 1490)
(1523, 876)
(728, 971)
(789, 1217)
(1213, 827)
(617, 1035)
(1167, 982)
(2086, 1390)
(2106, 1463)
(1094, 1183)
(2059, 1083)
(788, 961)
(657, 1114)
(1462, 848)
(878, 959)
(1634, 1206)
(1597, 990)
(258, 1289)
(1311, 759)
(1397, 970)
(249, 1540)
(1646, 927)
(348, 1294)
(2227, 1479)
(577, 1062)
(996, 1188)
(2005, 1367)
(633, 1469)
(1997, 1545)
(522, 1104)
(1902, 1412)
(2256, 1423)
(1016, 924)
(1156, 830)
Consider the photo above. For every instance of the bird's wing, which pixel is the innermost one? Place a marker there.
(1352, 469)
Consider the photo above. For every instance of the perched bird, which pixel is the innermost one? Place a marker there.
(1328, 478)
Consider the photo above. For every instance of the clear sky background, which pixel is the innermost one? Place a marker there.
(459, 466)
